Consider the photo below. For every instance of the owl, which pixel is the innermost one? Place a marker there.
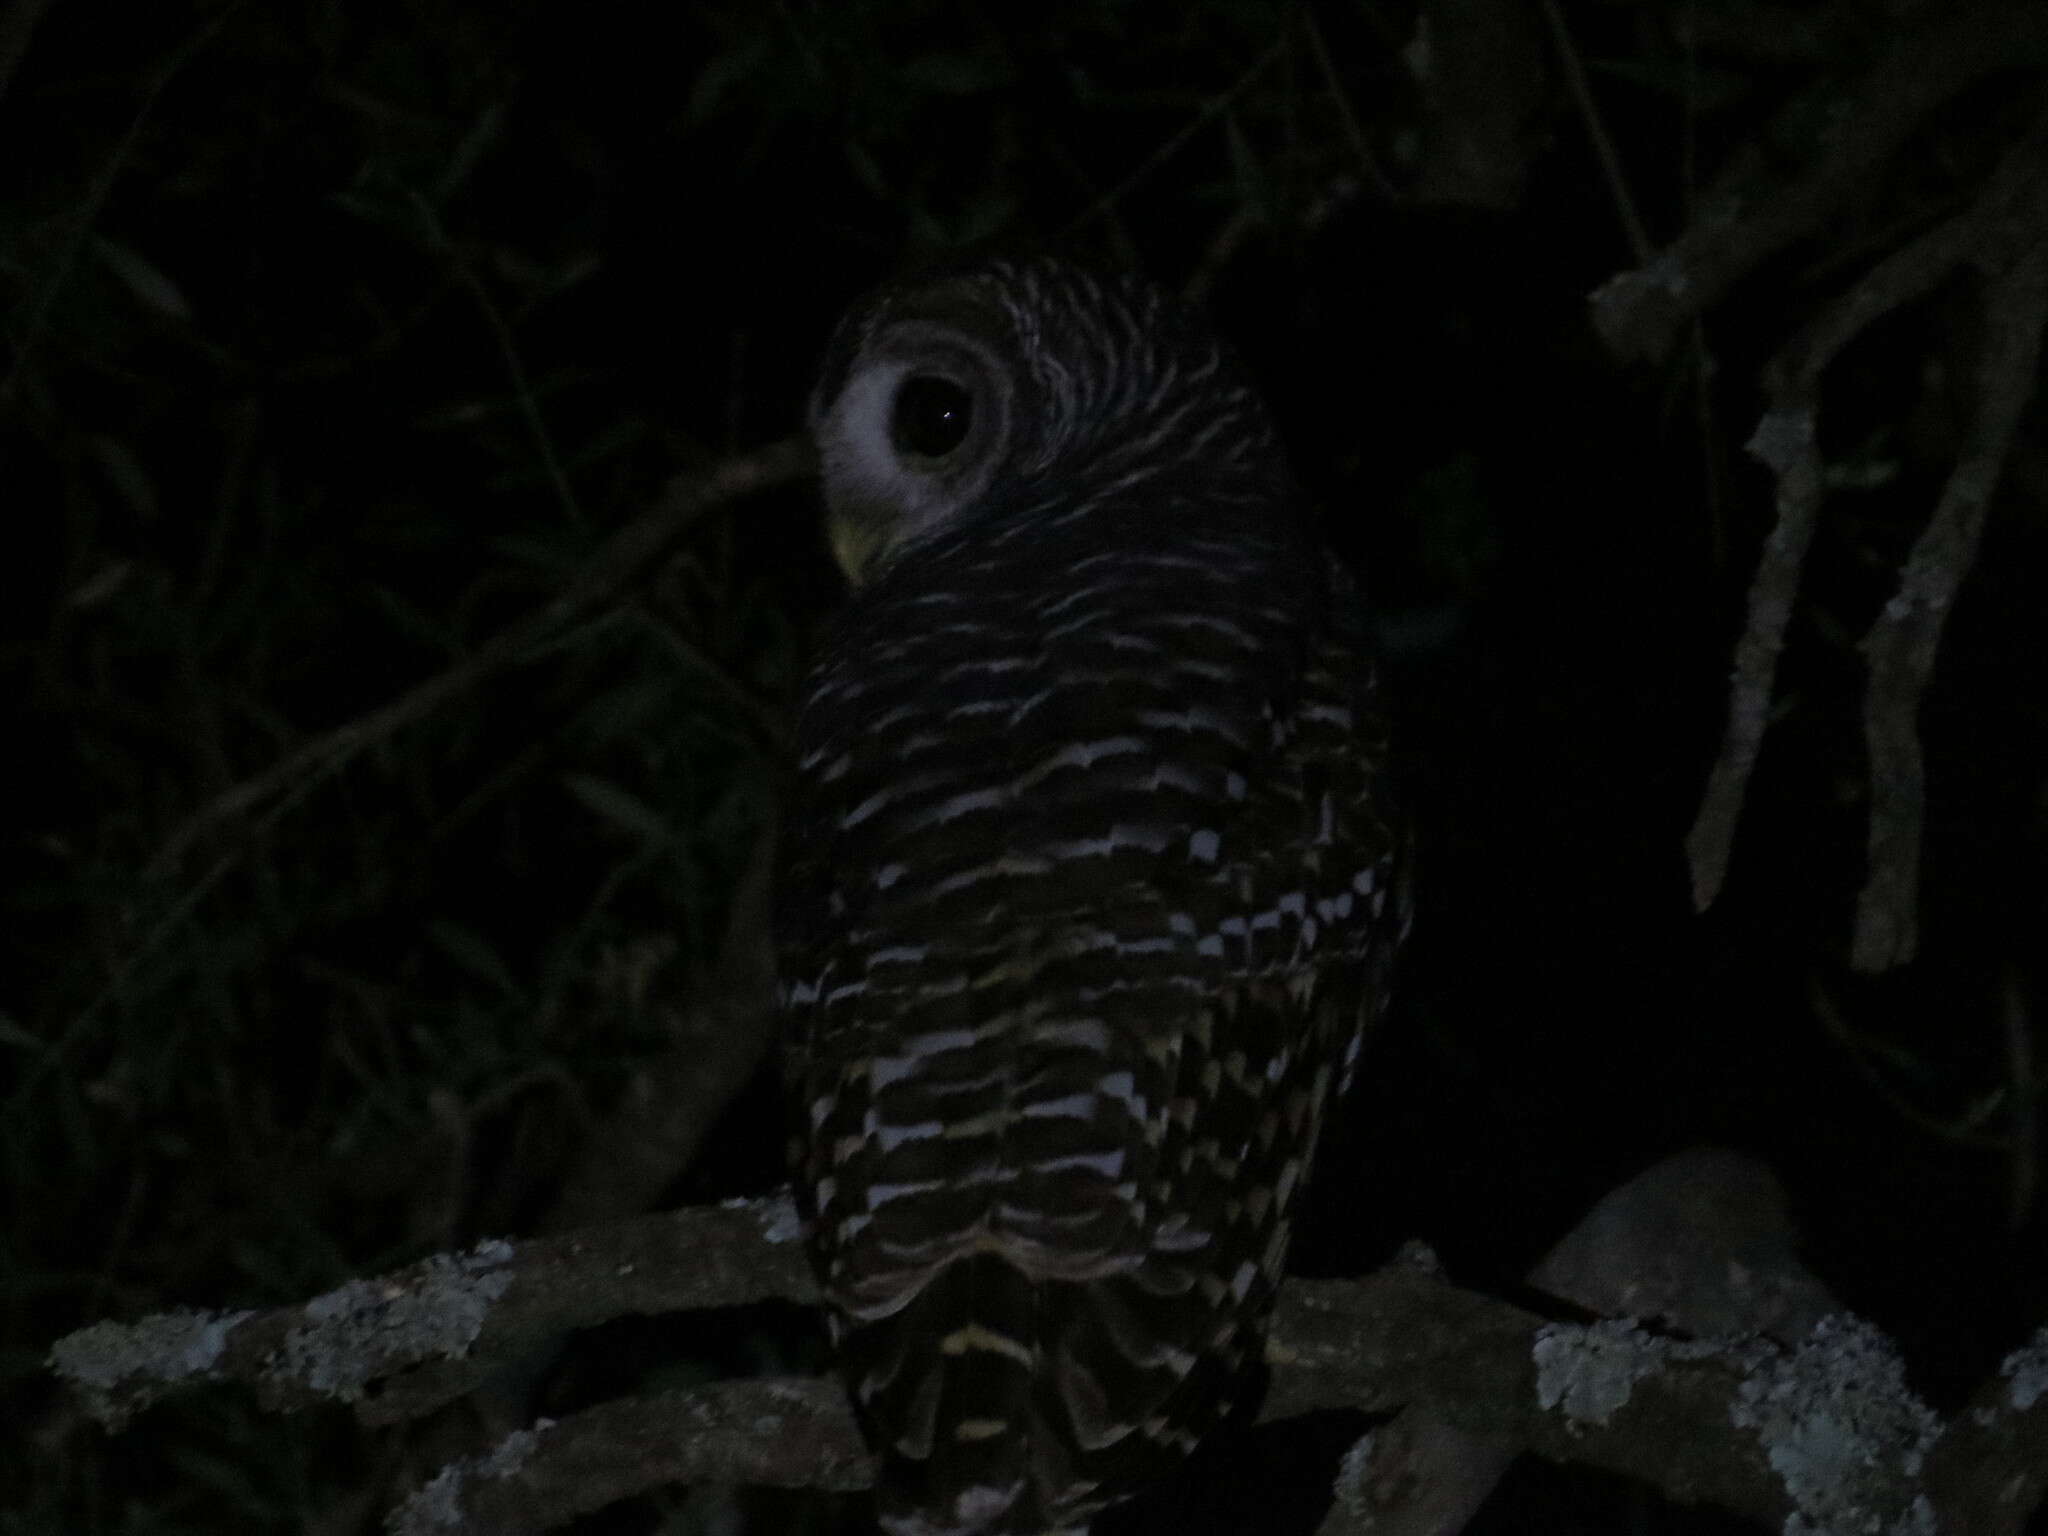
(1090, 890)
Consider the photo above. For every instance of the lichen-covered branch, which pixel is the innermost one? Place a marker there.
(400, 1345)
(1823, 1437)
(1824, 1429)
(783, 1434)
(1702, 1241)
(1990, 1471)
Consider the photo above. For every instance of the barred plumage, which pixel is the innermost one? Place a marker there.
(1089, 891)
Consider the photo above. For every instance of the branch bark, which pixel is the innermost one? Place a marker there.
(1748, 216)
(1824, 1429)
(1703, 1242)
(2000, 236)
(1902, 645)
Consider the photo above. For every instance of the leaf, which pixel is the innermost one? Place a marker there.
(619, 807)
(469, 949)
(124, 470)
(953, 74)
(483, 133)
(722, 74)
(143, 278)
(13, 1034)
(100, 586)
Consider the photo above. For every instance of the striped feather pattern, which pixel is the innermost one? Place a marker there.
(1086, 904)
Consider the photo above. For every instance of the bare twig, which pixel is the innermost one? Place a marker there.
(36, 313)
(18, 20)
(1354, 132)
(508, 354)
(1761, 29)
(1479, 66)
(1213, 108)
(1902, 645)
(2024, 1083)
(1966, 1129)
(1744, 220)
(1784, 441)
(1218, 253)
(1596, 129)
(668, 1107)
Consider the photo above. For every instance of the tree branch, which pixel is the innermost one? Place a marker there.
(1825, 1430)
(671, 1103)
(1746, 217)
(776, 1433)
(1993, 235)
(1902, 644)
(404, 1344)
(1702, 1241)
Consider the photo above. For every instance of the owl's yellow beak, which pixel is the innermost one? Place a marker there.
(855, 543)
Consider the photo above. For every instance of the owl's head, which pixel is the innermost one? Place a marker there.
(942, 399)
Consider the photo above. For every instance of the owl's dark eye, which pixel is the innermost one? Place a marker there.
(931, 416)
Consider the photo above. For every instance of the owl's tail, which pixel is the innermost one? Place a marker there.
(1001, 1389)
(953, 1374)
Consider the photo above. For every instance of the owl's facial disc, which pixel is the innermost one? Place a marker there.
(912, 439)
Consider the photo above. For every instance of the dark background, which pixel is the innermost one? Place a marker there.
(338, 336)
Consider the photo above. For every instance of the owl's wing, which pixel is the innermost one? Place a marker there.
(1085, 891)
